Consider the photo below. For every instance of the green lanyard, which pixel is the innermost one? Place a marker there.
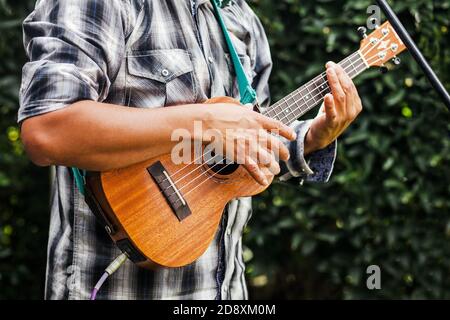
(79, 176)
(248, 94)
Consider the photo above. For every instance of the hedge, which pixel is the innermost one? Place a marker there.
(387, 203)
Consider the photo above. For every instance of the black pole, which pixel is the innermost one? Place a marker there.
(415, 52)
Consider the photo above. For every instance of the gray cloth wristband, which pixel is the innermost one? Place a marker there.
(316, 167)
(297, 166)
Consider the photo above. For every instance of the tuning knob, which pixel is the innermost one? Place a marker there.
(362, 31)
(396, 61)
(384, 69)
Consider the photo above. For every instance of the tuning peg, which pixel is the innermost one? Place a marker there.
(396, 61)
(362, 32)
(384, 69)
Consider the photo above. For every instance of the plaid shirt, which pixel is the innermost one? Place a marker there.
(138, 53)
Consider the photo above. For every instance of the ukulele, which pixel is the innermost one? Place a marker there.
(162, 214)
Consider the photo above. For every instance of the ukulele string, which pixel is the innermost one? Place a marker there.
(209, 177)
(322, 75)
(193, 162)
(207, 170)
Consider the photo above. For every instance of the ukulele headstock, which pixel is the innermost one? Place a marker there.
(381, 45)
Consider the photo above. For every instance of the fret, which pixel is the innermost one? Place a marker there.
(352, 66)
(277, 111)
(270, 111)
(315, 92)
(273, 111)
(309, 96)
(287, 118)
(302, 95)
(345, 63)
(348, 61)
(285, 111)
(291, 105)
(322, 86)
(358, 64)
(280, 110)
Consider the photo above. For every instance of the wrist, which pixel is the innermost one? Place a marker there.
(312, 144)
(186, 117)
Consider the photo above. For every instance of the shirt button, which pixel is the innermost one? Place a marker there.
(229, 231)
(210, 59)
(165, 72)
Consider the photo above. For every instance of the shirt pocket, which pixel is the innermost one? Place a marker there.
(157, 78)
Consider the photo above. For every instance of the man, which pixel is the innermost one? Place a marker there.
(99, 70)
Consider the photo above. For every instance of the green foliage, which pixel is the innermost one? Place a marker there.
(386, 204)
(23, 188)
(388, 200)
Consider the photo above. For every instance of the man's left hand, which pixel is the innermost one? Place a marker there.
(341, 107)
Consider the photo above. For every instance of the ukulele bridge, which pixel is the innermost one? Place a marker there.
(170, 191)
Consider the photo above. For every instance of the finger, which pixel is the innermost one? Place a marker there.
(263, 156)
(344, 79)
(359, 103)
(356, 101)
(330, 108)
(274, 144)
(253, 169)
(268, 160)
(276, 127)
(274, 166)
(322, 108)
(259, 153)
(336, 88)
(350, 91)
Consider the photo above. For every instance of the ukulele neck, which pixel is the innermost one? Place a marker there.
(305, 98)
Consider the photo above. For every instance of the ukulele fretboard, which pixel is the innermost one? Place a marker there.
(300, 101)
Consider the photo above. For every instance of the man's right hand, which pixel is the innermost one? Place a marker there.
(246, 137)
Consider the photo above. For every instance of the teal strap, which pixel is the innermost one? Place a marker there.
(78, 175)
(248, 94)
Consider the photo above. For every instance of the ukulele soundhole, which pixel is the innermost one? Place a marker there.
(218, 165)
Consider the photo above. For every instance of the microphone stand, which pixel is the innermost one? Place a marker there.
(415, 52)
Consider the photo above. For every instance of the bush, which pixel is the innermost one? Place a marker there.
(23, 187)
(388, 200)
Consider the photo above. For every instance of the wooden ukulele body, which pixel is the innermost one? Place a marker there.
(143, 224)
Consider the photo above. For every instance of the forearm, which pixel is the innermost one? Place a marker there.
(98, 136)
